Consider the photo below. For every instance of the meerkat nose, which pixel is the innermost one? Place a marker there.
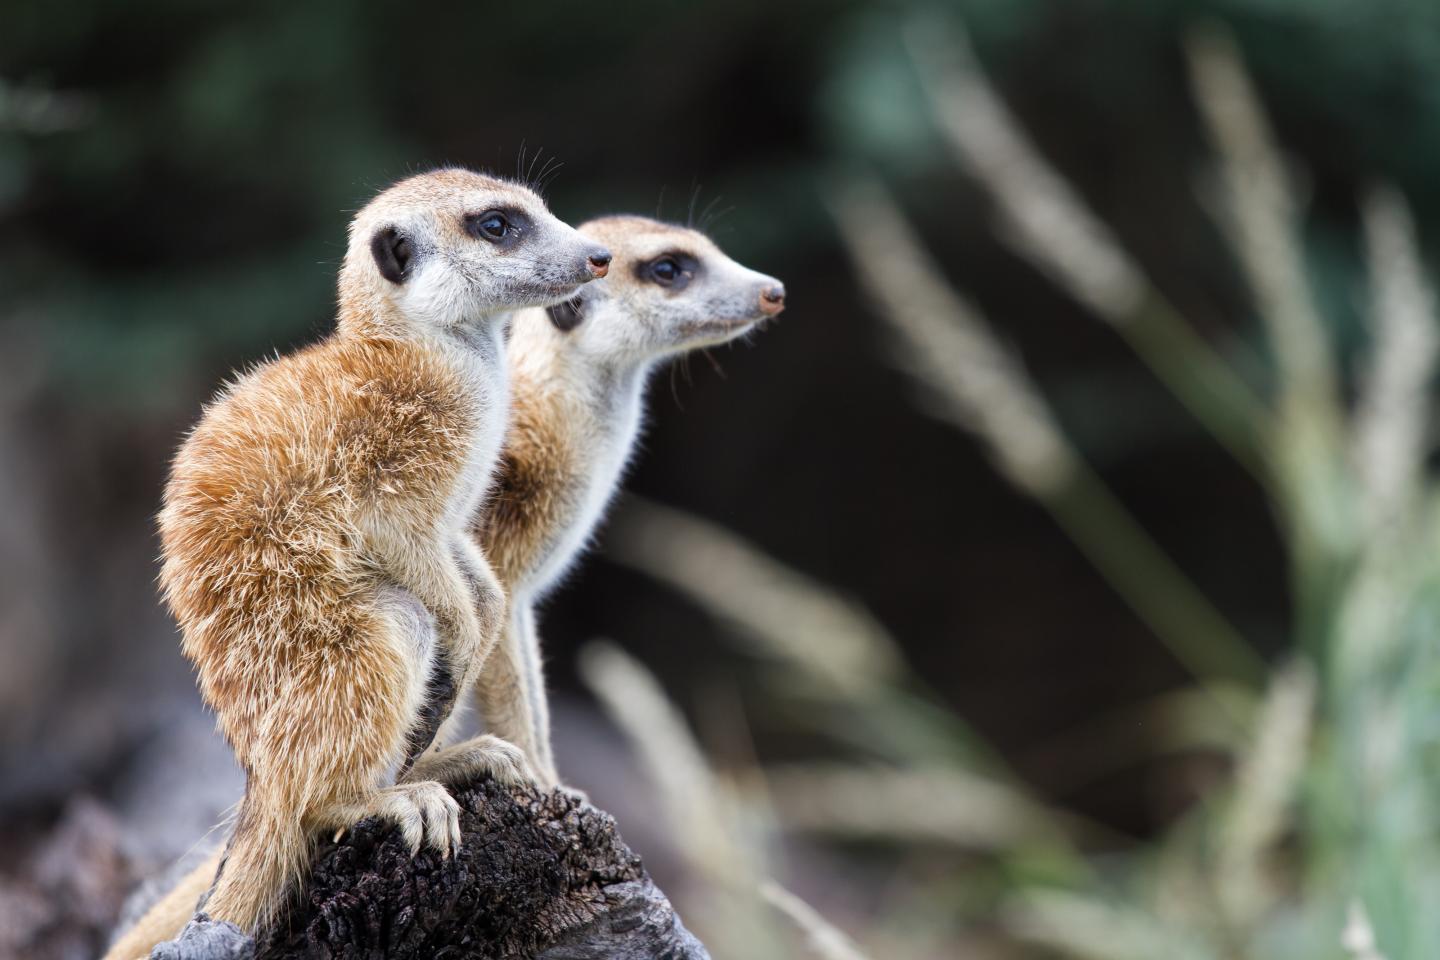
(599, 262)
(772, 299)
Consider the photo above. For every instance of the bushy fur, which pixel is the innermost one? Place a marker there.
(576, 413)
(315, 542)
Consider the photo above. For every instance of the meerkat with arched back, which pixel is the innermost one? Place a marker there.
(579, 372)
(578, 375)
(315, 532)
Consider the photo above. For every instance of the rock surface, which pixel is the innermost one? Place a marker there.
(538, 875)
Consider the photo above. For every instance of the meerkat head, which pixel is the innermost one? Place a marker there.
(670, 289)
(452, 247)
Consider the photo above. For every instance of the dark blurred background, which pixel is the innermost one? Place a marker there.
(175, 182)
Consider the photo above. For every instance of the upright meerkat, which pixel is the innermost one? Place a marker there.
(578, 372)
(315, 530)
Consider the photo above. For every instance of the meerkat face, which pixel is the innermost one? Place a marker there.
(670, 289)
(452, 247)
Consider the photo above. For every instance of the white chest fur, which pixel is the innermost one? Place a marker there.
(479, 355)
(608, 443)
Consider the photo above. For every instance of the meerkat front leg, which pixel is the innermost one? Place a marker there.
(485, 755)
(462, 593)
(487, 598)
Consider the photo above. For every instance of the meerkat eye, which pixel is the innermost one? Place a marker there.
(492, 225)
(673, 270)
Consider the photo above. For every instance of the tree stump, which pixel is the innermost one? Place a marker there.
(541, 875)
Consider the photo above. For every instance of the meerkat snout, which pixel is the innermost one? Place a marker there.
(772, 299)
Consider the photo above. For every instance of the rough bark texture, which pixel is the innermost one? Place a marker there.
(539, 875)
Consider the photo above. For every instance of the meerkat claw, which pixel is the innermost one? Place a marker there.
(424, 812)
(454, 836)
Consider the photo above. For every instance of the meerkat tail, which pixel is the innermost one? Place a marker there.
(168, 916)
(267, 856)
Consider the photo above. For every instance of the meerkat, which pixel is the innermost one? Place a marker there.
(578, 373)
(315, 533)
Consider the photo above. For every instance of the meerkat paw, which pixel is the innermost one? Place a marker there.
(481, 756)
(425, 813)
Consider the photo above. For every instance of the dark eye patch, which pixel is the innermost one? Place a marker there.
(502, 226)
(672, 270)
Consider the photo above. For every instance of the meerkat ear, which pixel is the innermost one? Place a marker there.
(568, 315)
(393, 254)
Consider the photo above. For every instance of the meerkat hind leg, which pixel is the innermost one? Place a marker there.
(527, 639)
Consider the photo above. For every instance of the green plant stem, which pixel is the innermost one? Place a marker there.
(1194, 632)
(1204, 383)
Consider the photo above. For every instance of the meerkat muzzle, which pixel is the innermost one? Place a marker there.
(772, 300)
(598, 263)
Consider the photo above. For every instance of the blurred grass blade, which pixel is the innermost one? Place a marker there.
(1083, 926)
(1390, 417)
(826, 940)
(898, 724)
(1182, 618)
(692, 799)
(1046, 221)
(1261, 222)
(722, 844)
(1389, 446)
(949, 347)
(1265, 786)
(1177, 722)
(845, 659)
(945, 806)
(1046, 218)
(782, 611)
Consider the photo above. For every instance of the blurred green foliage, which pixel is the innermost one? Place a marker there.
(185, 200)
